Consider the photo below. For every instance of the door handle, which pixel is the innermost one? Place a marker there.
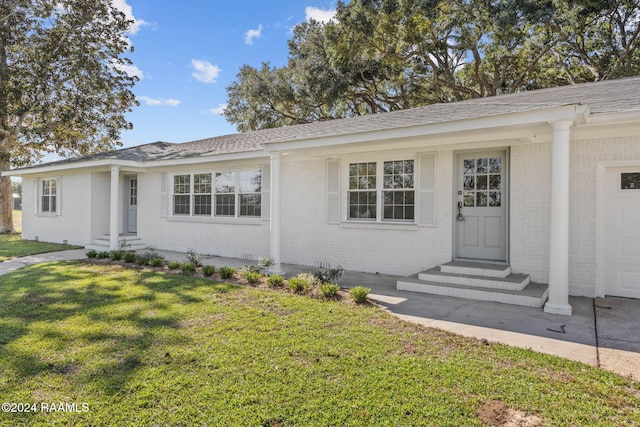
(460, 217)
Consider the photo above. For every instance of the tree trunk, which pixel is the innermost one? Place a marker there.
(6, 201)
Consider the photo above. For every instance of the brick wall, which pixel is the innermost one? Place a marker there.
(530, 206)
(308, 239)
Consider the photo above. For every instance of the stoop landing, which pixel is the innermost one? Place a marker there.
(477, 281)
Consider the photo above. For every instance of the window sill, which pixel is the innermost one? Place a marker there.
(47, 214)
(214, 220)
(395, 226)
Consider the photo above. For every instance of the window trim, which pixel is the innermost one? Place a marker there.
(236, 194)
(379, 160)
(40, 196)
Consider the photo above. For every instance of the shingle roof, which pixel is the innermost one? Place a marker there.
(612, 96)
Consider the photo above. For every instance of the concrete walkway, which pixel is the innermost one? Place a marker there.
(603, 332)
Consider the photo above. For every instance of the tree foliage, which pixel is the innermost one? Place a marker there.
(383, 55)
(63, 82)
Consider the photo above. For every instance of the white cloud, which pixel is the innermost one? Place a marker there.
(250, 35)
(131, 70)
(204, 71)
(320, 15)
(159, 101)
(219, 110)
(125, 8)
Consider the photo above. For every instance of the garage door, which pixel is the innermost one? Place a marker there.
(622, 232)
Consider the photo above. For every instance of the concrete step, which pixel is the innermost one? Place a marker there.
(512, 282)
(483, 269)
(532, 295)
(133, 243)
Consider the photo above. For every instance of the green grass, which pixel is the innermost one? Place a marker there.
(148, 348)
(12, 246)
(17, 221)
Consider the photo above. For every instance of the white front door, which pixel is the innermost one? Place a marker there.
(132, 204)
(481, 206)
(621, 232)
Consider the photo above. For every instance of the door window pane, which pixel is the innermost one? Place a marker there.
(481, 166)
(469, 198)
(481, 198)
(482, 182)
(480, 175)
(133, 192)
(469, 182)
(469, 166)
(495, 165)
(494, 182)
(630, 181)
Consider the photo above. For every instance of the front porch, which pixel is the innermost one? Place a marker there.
(477, 281)
(127, 241)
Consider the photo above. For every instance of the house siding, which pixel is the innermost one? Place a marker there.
(73, 221)
(585, 156)
(100, 204)
(308, 239)
(530, 205)
(229, 239)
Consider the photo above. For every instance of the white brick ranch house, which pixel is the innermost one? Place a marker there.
(540, 187)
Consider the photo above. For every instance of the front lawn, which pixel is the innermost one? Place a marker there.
(137, 347)
(12, 246)
(17, 221)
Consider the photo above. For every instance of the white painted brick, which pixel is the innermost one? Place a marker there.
(530, 207)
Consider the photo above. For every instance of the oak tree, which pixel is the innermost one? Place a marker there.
(384, 55)
(64, 87)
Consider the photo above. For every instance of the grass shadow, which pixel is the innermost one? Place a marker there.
(61, 319)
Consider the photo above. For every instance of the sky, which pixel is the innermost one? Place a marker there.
(186, 52)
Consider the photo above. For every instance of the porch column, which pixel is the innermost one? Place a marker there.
(114, 215)
(274, 249)
(558, 302)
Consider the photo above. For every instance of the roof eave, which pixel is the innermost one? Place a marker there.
(134, 165)
(91, 164)
(576, 113)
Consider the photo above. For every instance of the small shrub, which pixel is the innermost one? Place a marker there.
(227, 272)
(252, 277)
(147, 256)
(91, 253)
(264, 262)
(275, 281)
(129, 257)
(329, 276)
(188, 269)
(194, 258)
(329, 290)
(156, 262)
(248, 269)
(208, 270)
(102, 255)
(299, 285)
(359, 294)
(311, 279)
(124, 245)
(115, 255)
(173, 265)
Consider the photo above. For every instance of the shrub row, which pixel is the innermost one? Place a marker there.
(302, 284)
